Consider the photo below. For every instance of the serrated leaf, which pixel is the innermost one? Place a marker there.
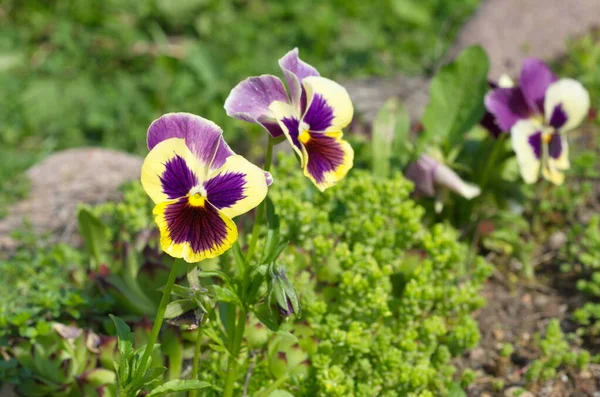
(456, 97)
(178, 386)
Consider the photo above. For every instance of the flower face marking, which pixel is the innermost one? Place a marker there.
(198, 184)
(312, 117)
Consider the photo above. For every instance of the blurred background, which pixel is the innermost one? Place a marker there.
(96, 72)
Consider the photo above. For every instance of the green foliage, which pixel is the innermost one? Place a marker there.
(556, 352)
(385, 305)
(64, 362)
(43, 283)
(382, 294)
(456, 98)
(583, 258)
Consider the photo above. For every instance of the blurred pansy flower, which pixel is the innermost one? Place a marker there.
(311, 117)
(198, 185)
(538, 113)
(489, 120)
(431, 177)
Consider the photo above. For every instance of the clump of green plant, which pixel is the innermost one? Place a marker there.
(384, 296)
(583, 258)
(64, 361)
(42, 283)
(556, 352)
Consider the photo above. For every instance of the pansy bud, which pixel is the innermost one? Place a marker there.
(428, 174)
(283, 293)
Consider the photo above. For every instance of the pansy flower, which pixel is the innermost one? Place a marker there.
(538, 113)
(198, 185)
(312, 116)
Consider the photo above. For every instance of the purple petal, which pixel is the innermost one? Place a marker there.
(325, 154)
(200, 226)
(295, 70)
(203, 137)
(559, 117)
(292, 125)
(535, 141)
(508, 106)
(250, 101)
(319, 115)
(420, 172)
(555, 146)
(177, 179)
(535, 78)
(225, 190)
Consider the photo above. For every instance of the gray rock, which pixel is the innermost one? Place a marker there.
(60, 183)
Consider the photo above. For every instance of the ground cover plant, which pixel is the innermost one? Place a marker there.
(337, 264)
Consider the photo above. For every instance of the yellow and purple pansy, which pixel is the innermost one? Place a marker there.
(312, 116)
(538, 113)
(198, 185)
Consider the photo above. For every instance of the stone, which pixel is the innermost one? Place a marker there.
(60, 183)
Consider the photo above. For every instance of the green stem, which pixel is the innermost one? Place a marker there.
(278, 382)
(196, 362)
(260, 211)
(160, 315)
(232, 365)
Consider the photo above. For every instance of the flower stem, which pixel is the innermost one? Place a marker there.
(260, 211)
(232, 361)
(160, 315)
(196, 362)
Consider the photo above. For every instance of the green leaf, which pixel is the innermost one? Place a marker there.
(124, 335)
(413, 12)
(216, 273)
(94, 234)
(226, 295)
(391, 130)
(177, 386)
(100, 376)
(456, 98)
(153, 374)
(178, 307)
(267, 317)
(456, 391)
